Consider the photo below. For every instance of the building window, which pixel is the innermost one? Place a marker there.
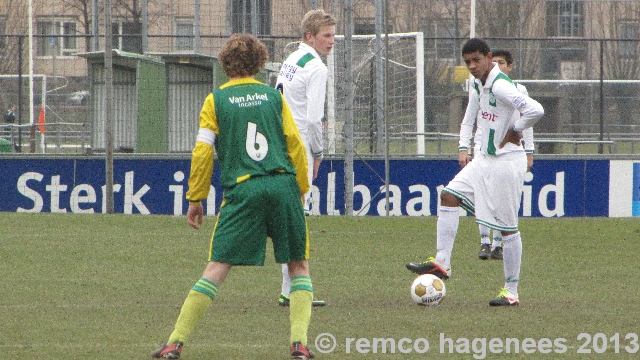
(571, 70)
(628, 30)
(69, 43)
(364, 26)
(251, 16)
(127, 36)
(565, 18)
(439, 39)
(184, 31)
(56, 38)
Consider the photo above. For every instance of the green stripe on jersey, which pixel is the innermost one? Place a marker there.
(503, 77)
(304, 60)
(491, 147)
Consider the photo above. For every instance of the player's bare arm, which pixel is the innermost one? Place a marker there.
(316, 166)
(463, 158)
(194, 215)
(512, 136)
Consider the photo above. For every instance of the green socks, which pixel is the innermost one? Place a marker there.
(300, 308)
(194, 307)
(204, 291)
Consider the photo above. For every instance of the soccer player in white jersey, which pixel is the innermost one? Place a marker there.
(504, 60)
(303, 82)
(490, 186)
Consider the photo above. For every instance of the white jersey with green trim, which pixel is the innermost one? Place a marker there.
(501, 106)
(469, 121)
(303, 82)
(527, 134)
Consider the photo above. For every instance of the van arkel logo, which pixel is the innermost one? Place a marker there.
(248, 100)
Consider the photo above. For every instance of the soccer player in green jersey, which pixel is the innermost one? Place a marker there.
(263, 172)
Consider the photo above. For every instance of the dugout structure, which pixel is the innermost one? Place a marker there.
(139, 95)
(189, 79)
(404, 91)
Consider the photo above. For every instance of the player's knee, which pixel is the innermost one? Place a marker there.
(448, 199)
(298, 268)
(216, 272)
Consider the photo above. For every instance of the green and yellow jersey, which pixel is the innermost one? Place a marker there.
(246, 114)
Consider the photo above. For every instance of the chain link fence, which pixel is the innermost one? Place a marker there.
(580, 59)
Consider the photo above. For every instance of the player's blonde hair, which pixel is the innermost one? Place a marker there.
(315, 20)
(243, 55)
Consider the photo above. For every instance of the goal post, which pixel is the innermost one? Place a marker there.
(404, 94)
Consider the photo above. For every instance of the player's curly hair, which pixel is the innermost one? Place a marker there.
(315, 20)
(475, 44)
(243, 55)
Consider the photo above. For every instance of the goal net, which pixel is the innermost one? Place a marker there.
(404, 95)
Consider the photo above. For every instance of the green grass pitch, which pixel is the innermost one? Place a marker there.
(111, 286)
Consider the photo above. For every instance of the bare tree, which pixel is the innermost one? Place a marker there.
(81, 9)
(16, 12)
(621, 57)
(130, 10)
(514, 19)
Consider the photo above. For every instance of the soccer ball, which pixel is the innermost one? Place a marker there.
(428, 290)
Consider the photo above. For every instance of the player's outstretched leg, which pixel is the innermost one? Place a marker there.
(431, 266)
(447, 228)
(193, 309)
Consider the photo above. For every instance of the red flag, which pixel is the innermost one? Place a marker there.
(41, 120)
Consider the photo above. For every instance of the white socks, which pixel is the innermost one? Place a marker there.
(307, 202)
(484, 234)
(448, 220)
(512, 257)
(485, 239)
(286, 280)
(447, 228)
(497, 239)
